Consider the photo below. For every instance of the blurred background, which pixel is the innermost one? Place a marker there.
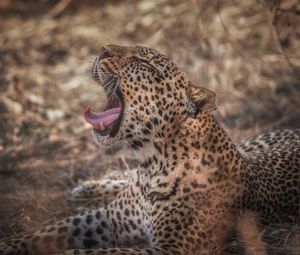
(248, 52)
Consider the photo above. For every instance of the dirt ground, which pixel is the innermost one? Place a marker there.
(248, 52)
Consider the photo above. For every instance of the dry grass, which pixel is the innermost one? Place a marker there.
(246, 51)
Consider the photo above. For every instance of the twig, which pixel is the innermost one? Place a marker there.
(275, 14)
(236, 46)
(125, 163)
(59, 8)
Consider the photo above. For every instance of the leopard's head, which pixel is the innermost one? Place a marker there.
(149, 97)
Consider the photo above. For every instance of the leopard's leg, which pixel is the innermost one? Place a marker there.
(179, 238)
(102, 191)
(164, 249)
(99, 231)
(83, 231)
(124, 251)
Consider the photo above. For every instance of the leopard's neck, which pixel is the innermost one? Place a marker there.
(198, 144)
(201, 151)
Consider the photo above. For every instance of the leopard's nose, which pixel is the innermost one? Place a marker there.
(105, 53)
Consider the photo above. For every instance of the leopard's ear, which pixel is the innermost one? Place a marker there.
(200, 101)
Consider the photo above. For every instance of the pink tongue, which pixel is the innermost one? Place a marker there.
(103, 119)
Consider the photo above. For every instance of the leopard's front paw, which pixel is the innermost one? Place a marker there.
(105, 190)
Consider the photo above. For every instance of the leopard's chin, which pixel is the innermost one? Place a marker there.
(103, 141)
(108, 122)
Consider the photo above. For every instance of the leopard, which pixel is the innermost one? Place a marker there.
(110, 184)
(194, 182)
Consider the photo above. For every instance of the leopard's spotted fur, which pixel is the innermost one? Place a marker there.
(194, 182)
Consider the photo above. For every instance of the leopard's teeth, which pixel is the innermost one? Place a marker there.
(102, 126)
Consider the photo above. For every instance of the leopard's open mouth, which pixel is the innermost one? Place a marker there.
(108, 122)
